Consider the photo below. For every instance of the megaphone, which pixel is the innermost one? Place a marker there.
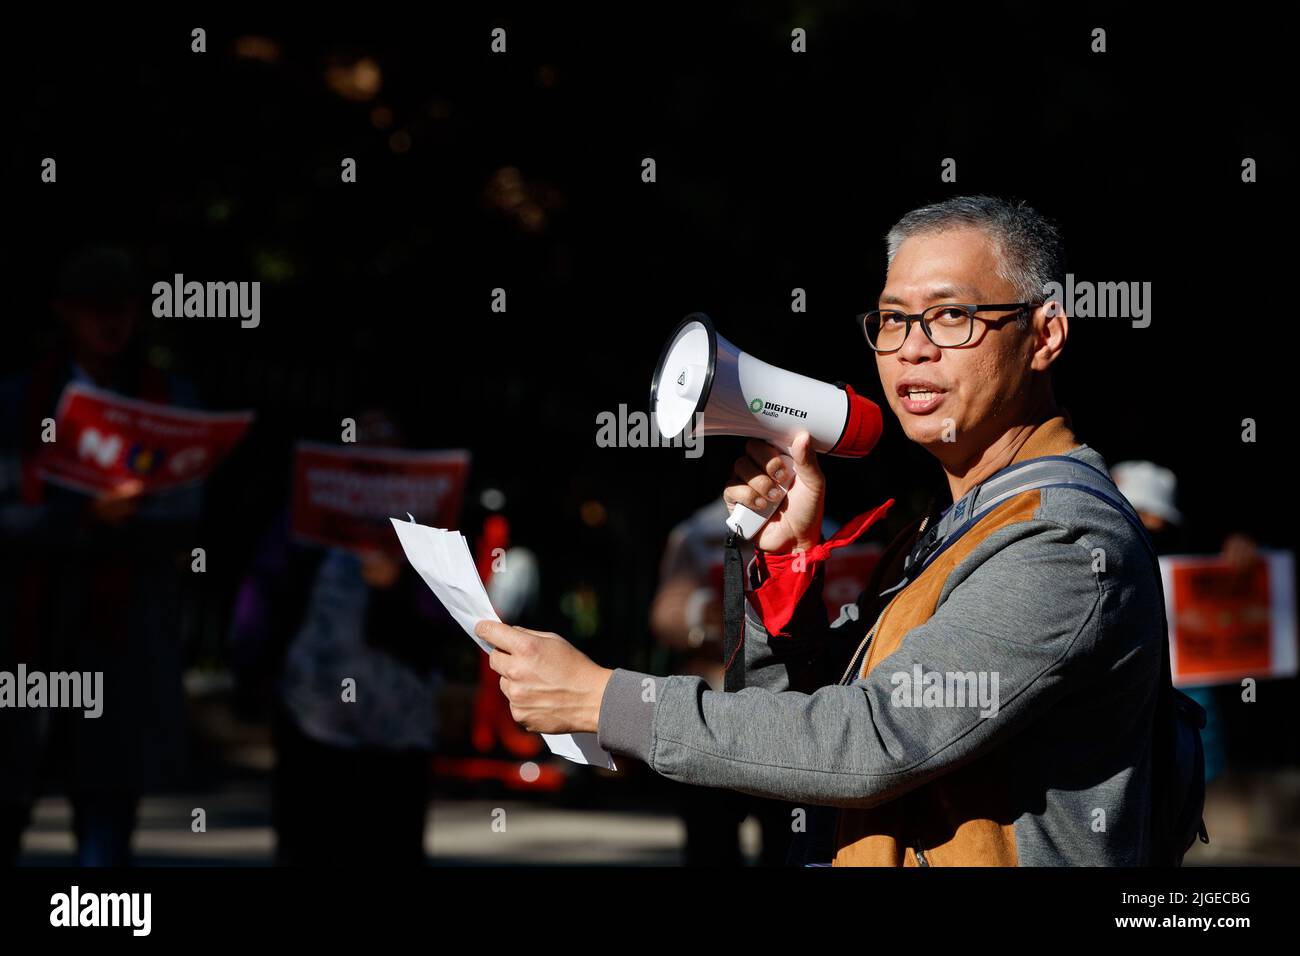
(705, 384)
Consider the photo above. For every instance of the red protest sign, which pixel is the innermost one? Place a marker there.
(1225, 623)
(343, 497)
(104, 440)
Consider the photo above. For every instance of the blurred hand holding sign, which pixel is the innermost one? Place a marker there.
(1228, 622)
(343, 497)
(106, 442)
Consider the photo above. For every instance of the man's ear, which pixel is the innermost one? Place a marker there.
(1051, 329)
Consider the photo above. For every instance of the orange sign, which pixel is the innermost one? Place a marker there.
(1225, 623)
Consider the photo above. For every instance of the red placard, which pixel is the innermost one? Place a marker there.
(105, 440)
(343, 497)
(1225, 623)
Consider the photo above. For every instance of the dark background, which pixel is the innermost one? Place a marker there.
(775, 170)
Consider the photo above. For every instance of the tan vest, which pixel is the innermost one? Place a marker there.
(963, 818)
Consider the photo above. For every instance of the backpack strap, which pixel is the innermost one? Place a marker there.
(1050, 471)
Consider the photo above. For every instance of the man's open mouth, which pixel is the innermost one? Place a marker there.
(920, 396)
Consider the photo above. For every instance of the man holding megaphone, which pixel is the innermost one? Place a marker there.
(990, 698)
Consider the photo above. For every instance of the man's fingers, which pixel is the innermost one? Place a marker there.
(757, 487)
(500, 662)
(768, 459)
(529, 630)
(501, 636)
(806, 465)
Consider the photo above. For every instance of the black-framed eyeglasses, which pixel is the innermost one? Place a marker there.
(947, 326)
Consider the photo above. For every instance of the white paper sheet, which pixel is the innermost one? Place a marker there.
(443, 559)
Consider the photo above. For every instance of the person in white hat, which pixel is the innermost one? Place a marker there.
(1151, 490)
(1153, 493)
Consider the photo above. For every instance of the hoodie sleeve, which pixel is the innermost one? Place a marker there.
(1024, 614)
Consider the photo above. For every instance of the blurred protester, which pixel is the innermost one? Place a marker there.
(686, 619)
(1153, 493)
(352, 770)
(91, 582)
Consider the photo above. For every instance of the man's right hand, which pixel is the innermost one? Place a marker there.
(797, 522)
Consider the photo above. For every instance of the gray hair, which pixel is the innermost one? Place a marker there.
(1028, 245)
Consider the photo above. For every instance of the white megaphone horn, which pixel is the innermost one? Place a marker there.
(705, 383)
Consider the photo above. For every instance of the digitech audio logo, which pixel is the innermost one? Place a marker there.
(771, 409)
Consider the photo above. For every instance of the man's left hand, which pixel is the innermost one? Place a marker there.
(553, 687)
